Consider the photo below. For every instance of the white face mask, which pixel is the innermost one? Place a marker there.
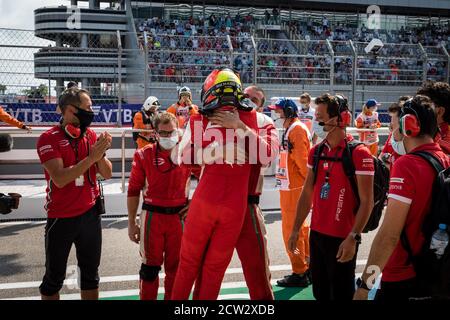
(318, 130)
(168, 143)
(398, 146)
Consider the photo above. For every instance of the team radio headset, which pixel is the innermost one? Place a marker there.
(73, 133)
(344, 119)
(289, 113)
(409, 123)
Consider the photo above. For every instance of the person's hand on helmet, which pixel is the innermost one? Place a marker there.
(227, 119)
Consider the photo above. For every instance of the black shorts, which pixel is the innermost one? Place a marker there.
(85, 231)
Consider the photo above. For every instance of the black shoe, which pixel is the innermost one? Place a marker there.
(294, 280)
(308, 274)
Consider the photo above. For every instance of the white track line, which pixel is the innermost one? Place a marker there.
(135, 292)
(125, 278)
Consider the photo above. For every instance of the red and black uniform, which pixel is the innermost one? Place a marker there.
(443, 137)
(332, 220)
(216, 213)
(388, 149)
(165, 192)
(72, 218)
(411, 182)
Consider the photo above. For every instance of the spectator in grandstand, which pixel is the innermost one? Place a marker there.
(290, 176)
(6, 117)
(275, 15)
(72, 84)
(144, 120)
(439, 93)
(410, 195)
(72, 156)
(183, 108)
(335, 228)
(368, 119)
(165, 201)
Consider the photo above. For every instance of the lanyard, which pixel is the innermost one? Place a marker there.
(330, 167)
(75, 150)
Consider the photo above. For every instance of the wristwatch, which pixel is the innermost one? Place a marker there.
(361, 284)
(356, 236)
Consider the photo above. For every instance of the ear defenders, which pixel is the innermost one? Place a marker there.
(409, 123)
(344, 116)
(289, 112)
(72, 131)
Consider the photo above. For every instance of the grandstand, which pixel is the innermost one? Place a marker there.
(285, 47)
(126, 50)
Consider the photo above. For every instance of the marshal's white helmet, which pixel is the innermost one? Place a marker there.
(184, 90)
(150, 102)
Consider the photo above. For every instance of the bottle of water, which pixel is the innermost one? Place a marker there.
(439, 240)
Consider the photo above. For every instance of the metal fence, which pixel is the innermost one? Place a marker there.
(121, 69)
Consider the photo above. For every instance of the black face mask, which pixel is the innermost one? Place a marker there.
(85, 118)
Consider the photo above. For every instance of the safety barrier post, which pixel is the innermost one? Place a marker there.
(354, 73)
(448, 61)
(119, 69)
(330, 48)
(230, 45)
(255, 61)
(424, 64)
(146, 91)
(123, 160)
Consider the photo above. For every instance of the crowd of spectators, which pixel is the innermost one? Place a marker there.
(185, 50)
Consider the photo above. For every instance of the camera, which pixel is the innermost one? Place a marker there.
(374, 46)
(11, 200)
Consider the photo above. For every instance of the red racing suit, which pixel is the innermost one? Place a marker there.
(217, 210)
(165, 192)
(255, 265)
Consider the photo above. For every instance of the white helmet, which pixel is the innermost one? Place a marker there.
(184, 90)
(151, 101)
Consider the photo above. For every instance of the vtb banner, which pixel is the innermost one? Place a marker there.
(44, 114)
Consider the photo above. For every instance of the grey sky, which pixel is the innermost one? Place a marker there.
(19, 14)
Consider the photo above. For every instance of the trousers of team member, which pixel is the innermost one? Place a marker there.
(255, 265)
(291, 174)
(165, 199)
(335, 228)
(72, 155)
(410, 196)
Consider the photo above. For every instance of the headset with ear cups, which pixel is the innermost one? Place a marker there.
(409, 123)
(344, 116)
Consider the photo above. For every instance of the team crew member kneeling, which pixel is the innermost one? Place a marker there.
(72, 155)
(165, 193)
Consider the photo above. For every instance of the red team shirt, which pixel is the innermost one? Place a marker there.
(164, 183)
(443, 137)
(411, 182)
(335, 216)
(388, 149)
(70, 201)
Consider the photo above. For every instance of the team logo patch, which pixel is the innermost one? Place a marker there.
(159, 161)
